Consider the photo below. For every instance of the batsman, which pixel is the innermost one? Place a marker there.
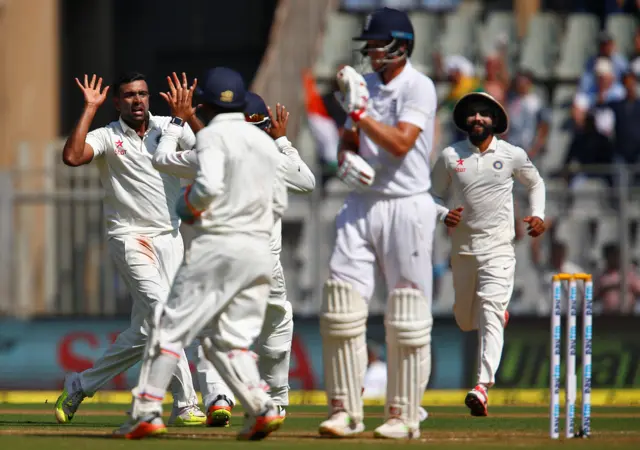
(387, 222)
(480, 170)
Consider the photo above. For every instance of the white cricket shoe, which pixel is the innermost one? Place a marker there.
(395, 428)
(340, 425)
(258, 428)
(187, 416)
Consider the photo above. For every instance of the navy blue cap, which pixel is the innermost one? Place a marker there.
(223, 87)
(256, 111)
(385, 24)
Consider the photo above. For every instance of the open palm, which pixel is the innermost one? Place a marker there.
(93, 92)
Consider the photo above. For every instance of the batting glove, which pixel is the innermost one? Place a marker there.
(353, 95)
(354, 171)
(187, 213)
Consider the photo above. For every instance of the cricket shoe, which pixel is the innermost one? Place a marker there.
(477, 400)
(395, 428)
(340, 425)
(70, 399)
(219, 412)
(282, 412)
(187, 417)
(149, 425)
(258, 428)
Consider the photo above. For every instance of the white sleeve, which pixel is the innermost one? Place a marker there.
(440, 182)
(209, 180)
(581, 101)
(527, 174)
(99, 140)
(183, 164)
(419, 104)
(280, 197)
(187, 138)
(297, 175)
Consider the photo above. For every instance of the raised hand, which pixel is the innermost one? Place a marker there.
(279, 123)
(180, 96)
(94, 94)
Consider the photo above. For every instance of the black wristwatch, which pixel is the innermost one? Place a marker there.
(177, 121)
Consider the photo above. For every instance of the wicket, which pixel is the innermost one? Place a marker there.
(571, 377)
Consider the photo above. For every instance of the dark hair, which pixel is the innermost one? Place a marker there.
(126, 78)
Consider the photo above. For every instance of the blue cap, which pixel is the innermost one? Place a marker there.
(385, 24)
(223, 87)
(256, 111)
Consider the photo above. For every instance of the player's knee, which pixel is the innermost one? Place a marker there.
(344, 312)
(408, 318)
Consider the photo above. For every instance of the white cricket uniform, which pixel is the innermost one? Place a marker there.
(274, 342)
(227, 270)
(391, 224)
(143, 240)
(483, 254)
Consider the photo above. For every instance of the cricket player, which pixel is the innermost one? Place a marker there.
(387, 222)
(142, 231)
(480, 171)
(220, 292)
(274, 342)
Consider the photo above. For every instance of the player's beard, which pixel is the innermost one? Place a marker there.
(478, 136)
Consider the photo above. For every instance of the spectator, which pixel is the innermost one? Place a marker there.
(635, 58)
(606, 49)
(608, 90)
(557, 263)
(589, 147)
(496, 80)
(607, 288)
(627, 122)
(529, 118)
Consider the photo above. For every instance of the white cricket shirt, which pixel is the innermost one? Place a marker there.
(139, 199)
(238, 184)
(410, 97)
(298, 177)
(483, 184)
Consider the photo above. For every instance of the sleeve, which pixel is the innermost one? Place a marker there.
(209, 180)
(440, 182)
(183, 164)
(527, 174)
(419, 105)
(581, 101)
(280, 198)
(297, 175)
(187, 139)
(99, 140)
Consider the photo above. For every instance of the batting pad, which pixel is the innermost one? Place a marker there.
(239, 369)
(408, 323)
(343, 326)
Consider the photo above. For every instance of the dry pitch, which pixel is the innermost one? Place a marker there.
(26, 427)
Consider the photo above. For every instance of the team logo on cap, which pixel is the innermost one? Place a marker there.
(497, 165)
(226, 96)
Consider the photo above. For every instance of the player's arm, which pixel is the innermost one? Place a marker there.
(77, 151)
(417, 113)
(297, 175)
(527, 174)
(280, 196)
(440, 183)
(168, 159)
(209, 180)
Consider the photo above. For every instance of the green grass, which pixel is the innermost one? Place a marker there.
(27, 427)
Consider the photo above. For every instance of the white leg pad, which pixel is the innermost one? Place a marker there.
(239, 370)
(408, 324)
(343, 326)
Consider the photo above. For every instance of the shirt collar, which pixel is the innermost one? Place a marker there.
(225, 117)
(128, 130)
(391, 85)
(493, 146)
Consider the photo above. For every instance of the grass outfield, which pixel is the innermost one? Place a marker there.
(33, 426)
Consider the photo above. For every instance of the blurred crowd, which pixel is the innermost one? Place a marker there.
(604, 123)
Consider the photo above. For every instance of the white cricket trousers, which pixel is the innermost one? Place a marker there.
(273, 347)
(483, 287)
(392, 234)
(148, 266)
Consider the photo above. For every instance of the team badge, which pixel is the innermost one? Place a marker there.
(497, 165)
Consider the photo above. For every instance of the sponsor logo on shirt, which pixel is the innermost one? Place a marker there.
(119, 150)
(460, 167)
